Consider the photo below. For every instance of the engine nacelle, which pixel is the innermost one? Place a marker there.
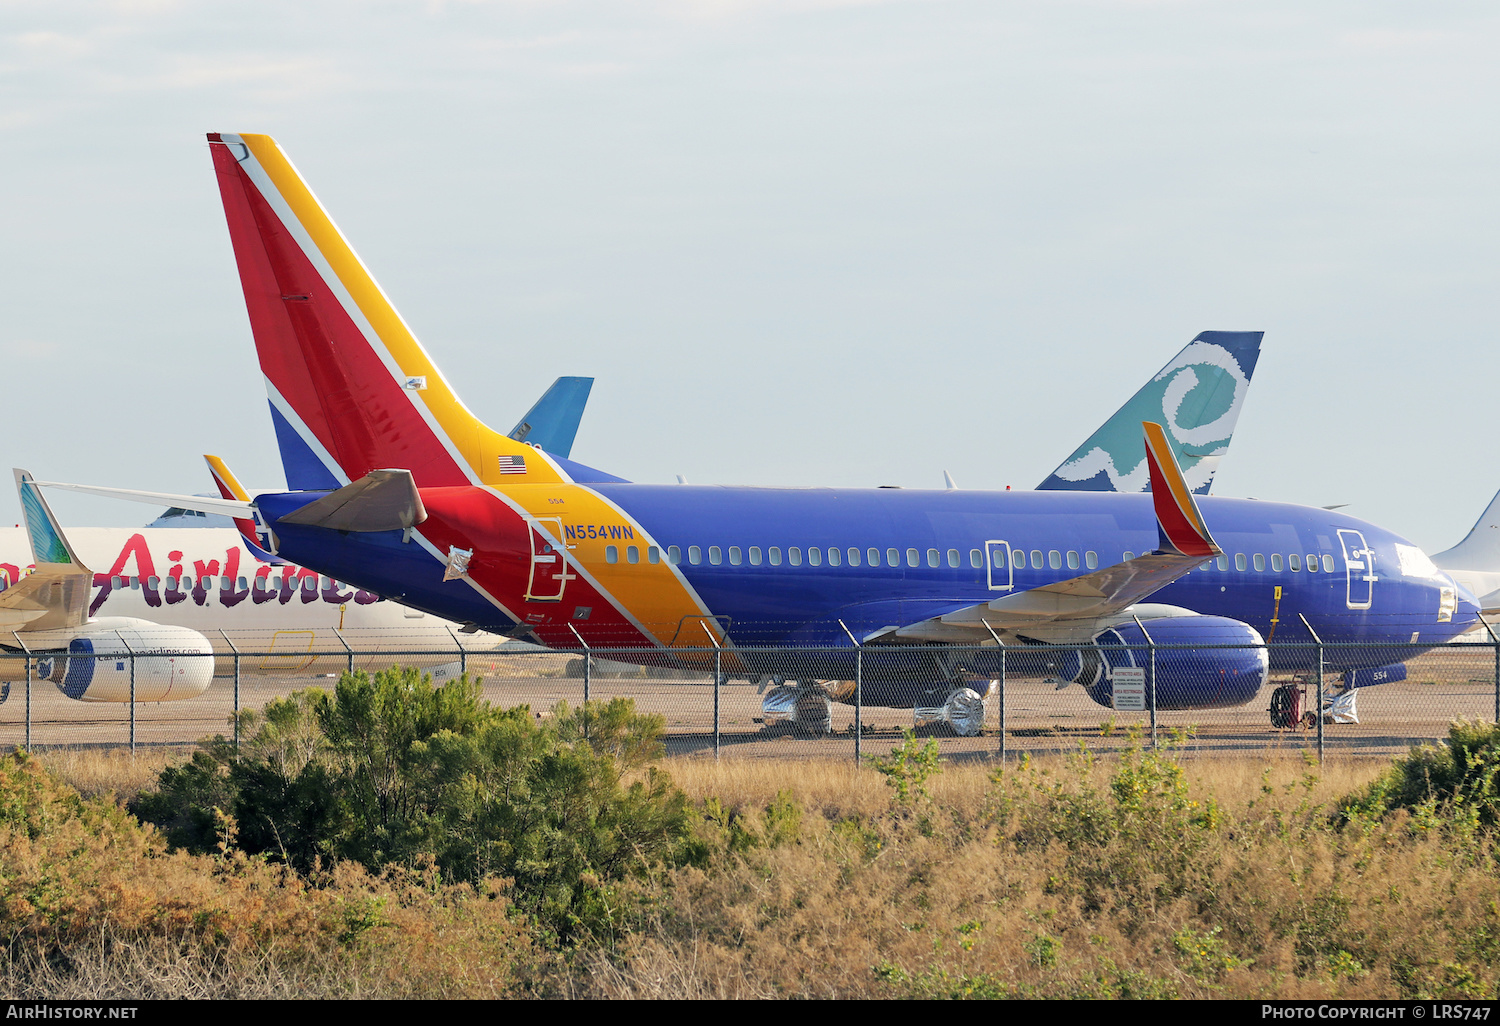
(805, 708)
(1202, 662)
(170, 664)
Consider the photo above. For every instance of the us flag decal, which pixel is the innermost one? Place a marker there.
(512, 464)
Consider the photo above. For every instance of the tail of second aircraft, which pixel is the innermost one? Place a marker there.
(351, 388)
(1197, 395)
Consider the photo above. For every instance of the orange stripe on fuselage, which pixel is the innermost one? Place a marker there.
(639, 603)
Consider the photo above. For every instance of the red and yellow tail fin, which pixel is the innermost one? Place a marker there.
(351, 388)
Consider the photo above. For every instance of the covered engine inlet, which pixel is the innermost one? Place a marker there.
(804, 706)
(962, 710)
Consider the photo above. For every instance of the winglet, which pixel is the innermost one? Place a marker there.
(230, 488)
(48, 543)
(1179, 525)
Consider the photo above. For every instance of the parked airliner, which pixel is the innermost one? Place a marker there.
(926, 588)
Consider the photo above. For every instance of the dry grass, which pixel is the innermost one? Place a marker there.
(92, 904)
(114, 773)
(1066, 878)
(992, 891)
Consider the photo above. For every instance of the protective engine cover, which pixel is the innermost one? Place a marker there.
(1191, 672)
(171, 664)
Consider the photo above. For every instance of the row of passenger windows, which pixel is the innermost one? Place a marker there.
(1054, 559)
(310, 582)
(754, 555)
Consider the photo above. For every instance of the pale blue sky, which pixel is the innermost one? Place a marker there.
(797, 243)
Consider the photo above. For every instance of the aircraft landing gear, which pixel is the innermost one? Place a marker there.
(803, 707)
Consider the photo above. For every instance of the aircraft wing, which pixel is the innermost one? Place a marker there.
(56, 593)
(1083, 601)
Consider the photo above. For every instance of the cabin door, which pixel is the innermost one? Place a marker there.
(997, 566)
(549, 566)
(1359, 569)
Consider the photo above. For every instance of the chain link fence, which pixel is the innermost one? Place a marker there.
(983, 702)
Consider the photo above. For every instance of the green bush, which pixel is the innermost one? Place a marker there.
(390, 770)
(1458, 781)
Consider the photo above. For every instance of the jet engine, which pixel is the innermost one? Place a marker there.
(1201, 662)
(168, 663)
(804, 706)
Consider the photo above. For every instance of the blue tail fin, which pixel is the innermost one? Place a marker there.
(1197, 395)
(552, 423)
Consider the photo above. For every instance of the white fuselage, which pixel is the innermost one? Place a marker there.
(206, 580)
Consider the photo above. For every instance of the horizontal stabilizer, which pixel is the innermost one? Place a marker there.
(382, 500)
(201, 503)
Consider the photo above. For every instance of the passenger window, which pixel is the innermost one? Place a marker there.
(874, 556)
(116, 582)
(611, 554)
(1294, 561)
(912, 557)
(755, 555)
(1312, 562)
(1239, 561)
(1036, 559)
(794, 556)
(171, 583)
(1091, 560)
(933, 557)
(1017, 558)
(1206, 566)
(1276, 562)
(632, 554)
(1327, 563)
(653, 554)
(735, 555)
(674, 554)
(853, 555)
(773, 556)
(892, 557)
(715, 556)
(833, 557)
(976, 559)
(1222, 562)
(997, 556)
(953, 557)
(1128, 556)
(1259, 563)
(1072, 559)
(241, 584)
(815, 557)
(695, 554)
(1054, 559)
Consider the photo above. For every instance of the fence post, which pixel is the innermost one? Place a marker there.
(718, 680)
(236, 652)
(859, 697)
(1495, 643)
(1151, 649)
(463, 653)
(1002, 685)
(1318, 704)
(131, 651)
(349, 652)
(27, 651)
(588, 658)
